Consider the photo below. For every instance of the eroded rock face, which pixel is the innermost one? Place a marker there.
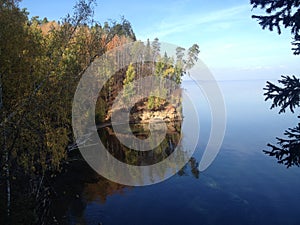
(168, 114)
(140, 113)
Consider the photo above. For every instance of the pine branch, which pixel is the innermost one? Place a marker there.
(284, 13)
(284, 97)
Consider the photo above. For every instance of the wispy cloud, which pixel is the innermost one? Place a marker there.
(220, 19)
(229, 40)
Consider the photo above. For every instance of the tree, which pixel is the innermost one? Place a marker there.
(192, 56)
(287, 150)
(284, 97)
(179, 54)
(155, 48)
(128, 83)
(12, 47)
(122, 28)
(284, 13)
(148, 51)
(38, 77)
(41, 65)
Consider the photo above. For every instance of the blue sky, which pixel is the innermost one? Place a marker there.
(232, 44)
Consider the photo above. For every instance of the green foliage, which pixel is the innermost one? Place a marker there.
(159, 68)
(128, 83)
(39, 73)
(154, 103)
(122, 28)
(130, 74)
(151, 102)
(100, 111)
(192, 56)
(284, 13)
(155, 48)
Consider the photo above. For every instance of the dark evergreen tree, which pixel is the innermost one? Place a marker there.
(283, 13)
(280, 13)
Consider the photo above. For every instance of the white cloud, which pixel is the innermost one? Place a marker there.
(221, 19)
(230, 42)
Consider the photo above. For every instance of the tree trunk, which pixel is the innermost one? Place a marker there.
(8, 188)
(6, 154)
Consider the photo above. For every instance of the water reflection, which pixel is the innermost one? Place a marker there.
(75, 189)
(81, 186)
(141, 131)
(191, 166)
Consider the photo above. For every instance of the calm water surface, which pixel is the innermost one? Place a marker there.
(242, 186)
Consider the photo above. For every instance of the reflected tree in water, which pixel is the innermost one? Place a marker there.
(193, 166)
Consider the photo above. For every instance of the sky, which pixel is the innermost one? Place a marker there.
(232, 44)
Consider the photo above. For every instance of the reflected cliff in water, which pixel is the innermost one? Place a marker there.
(81, 186)
(141, 158)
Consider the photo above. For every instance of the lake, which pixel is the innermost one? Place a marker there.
(241, 186)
